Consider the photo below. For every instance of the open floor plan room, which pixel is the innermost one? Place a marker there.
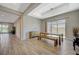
(39, 29)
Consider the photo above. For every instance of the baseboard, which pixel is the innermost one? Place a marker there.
(70, 39)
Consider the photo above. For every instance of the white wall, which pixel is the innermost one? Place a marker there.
(72, 20)
(18, 29)
(30, 24)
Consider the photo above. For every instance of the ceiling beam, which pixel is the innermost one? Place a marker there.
(31, 7)
(20, 14)
(5, 9)
(28, 9)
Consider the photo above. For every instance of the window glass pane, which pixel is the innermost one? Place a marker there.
(0, 27)
(56, 27)
(61, 28)
(54, 22)
(4, 28)
(49, 25)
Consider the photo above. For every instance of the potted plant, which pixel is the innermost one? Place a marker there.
(76, 40)
(75, 32)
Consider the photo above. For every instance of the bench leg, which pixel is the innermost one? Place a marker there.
(55, 43)
(39, 38)
(59, 41)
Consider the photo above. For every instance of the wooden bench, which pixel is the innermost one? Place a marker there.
(34, 34)
(57, 40)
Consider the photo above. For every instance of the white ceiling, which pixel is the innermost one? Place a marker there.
(45, 10)
(41, 11)
(8, 17)
(10, 12)
(21, 7)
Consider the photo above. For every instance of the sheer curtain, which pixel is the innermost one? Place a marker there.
(56, 27)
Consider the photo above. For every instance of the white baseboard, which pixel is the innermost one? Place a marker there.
(71, 39)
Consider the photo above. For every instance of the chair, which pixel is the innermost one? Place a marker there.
(76, 45)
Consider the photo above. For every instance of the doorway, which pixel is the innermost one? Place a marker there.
(4, 33)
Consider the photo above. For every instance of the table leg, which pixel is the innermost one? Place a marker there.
(55, 43)
(59, 40)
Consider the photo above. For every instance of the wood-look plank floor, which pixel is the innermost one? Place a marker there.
(35, 47)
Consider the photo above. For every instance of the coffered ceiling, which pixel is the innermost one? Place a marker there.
(45, 10)
(10, 12)
(16, 6)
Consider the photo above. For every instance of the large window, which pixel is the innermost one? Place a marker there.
(56, 27)
(3, 28)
